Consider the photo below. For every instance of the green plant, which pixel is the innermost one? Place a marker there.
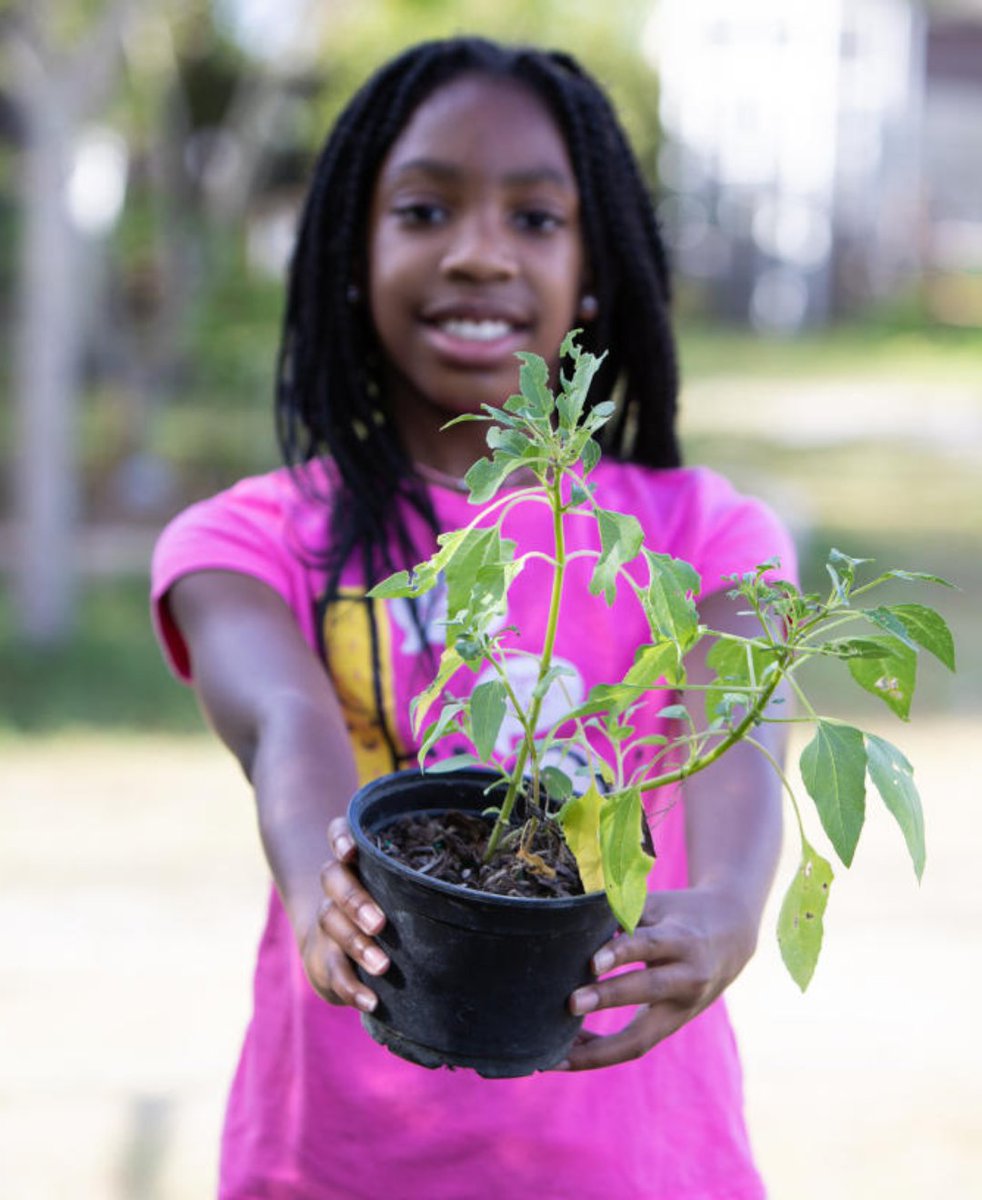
(552, 438)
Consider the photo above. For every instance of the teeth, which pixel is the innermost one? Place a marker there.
(476, 331)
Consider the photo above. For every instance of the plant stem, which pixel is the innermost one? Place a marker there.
(734, 736)
(545, 661)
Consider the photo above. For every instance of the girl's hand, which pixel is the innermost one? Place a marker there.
(692, 944)
(343, 928)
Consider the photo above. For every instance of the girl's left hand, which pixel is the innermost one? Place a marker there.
(692, 944)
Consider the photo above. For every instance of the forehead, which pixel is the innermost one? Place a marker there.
(495, 126)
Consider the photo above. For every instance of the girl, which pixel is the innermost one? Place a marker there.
(472, 201)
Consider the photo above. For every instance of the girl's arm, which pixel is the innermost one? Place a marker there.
(270, 700)
(692, 944)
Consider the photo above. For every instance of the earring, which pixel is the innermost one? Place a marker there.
(589, 307)
(353, 294)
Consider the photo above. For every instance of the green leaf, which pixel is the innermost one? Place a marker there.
(510, 442)
(453, 763)
(541, 689)
(652, 664)
(833, 769)
(578, 494)
(396, 586)
(466, 417)
(842, 570)
(447, 721)
(918, 577)
(626, 865)
(853, 648)
(668, 602)
(604, 698)
(477, 577)
(621, 536)
(800, 922)
(488, 705)
(557, 783)
(737, 665)
(487, 475)
(450, 662)
(574, 392)
(589, 455)
(580, 819)
(673, 712)
(887, 620)
(893, 777)
(891, 676)
(929, 629)
(533, 380)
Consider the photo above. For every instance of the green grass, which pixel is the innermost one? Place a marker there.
(868, 349)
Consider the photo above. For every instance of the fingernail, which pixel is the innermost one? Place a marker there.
(366, 1001)
(584, 1001)
(603, 960)
(370, 917)
(343, 845)
(375, 960)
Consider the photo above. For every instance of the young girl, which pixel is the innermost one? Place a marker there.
(472, 201)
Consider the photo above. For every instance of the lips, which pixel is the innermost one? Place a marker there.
(474, 334)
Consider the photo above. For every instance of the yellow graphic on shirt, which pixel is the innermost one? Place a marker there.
(346, 630)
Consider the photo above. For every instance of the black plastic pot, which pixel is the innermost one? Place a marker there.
(476, 980)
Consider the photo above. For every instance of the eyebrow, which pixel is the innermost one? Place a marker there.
(448, 171)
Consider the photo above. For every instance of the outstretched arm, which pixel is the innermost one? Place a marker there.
(270, 700)
(692, 944)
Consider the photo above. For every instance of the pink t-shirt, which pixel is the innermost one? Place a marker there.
(317, 1110)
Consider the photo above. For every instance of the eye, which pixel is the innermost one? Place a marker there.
(420, 214)
(538, 220)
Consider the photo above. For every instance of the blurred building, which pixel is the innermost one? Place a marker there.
(817, 157)
(952, 160)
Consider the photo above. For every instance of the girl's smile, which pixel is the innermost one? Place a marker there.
(474, 252)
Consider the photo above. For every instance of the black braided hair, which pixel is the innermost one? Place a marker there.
(327, 400)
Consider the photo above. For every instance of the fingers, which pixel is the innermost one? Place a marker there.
(673, 983)
(342, 888)
(335, 921)
(340, 840)
(347, 920)
(330, 971)
(650, 1026)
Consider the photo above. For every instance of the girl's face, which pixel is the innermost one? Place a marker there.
(474, 251)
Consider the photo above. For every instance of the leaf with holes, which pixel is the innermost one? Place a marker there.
(893, 778)
(800, 923)
(890, 677)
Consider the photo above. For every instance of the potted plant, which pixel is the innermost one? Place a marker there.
(573, 836)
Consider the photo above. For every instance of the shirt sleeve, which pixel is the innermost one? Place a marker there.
(243, 530)
(736, 534)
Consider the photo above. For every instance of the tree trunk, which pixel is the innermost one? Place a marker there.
(46, 475)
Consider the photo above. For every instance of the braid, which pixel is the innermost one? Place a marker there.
(328, 400)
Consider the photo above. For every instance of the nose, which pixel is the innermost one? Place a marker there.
(479, 249)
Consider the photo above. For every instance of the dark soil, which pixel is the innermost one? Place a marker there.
(450, 847)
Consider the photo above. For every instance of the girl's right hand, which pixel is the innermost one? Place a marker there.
(343, 929)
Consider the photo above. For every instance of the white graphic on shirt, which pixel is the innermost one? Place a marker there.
(564, 693)
(432, 615)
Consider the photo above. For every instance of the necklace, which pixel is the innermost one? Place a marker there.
(444, 479)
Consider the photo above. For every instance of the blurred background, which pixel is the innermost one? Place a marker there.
(818, 174)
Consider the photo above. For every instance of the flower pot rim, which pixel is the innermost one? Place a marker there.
(453, 890)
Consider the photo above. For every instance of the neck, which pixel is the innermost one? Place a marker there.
(444, 479)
